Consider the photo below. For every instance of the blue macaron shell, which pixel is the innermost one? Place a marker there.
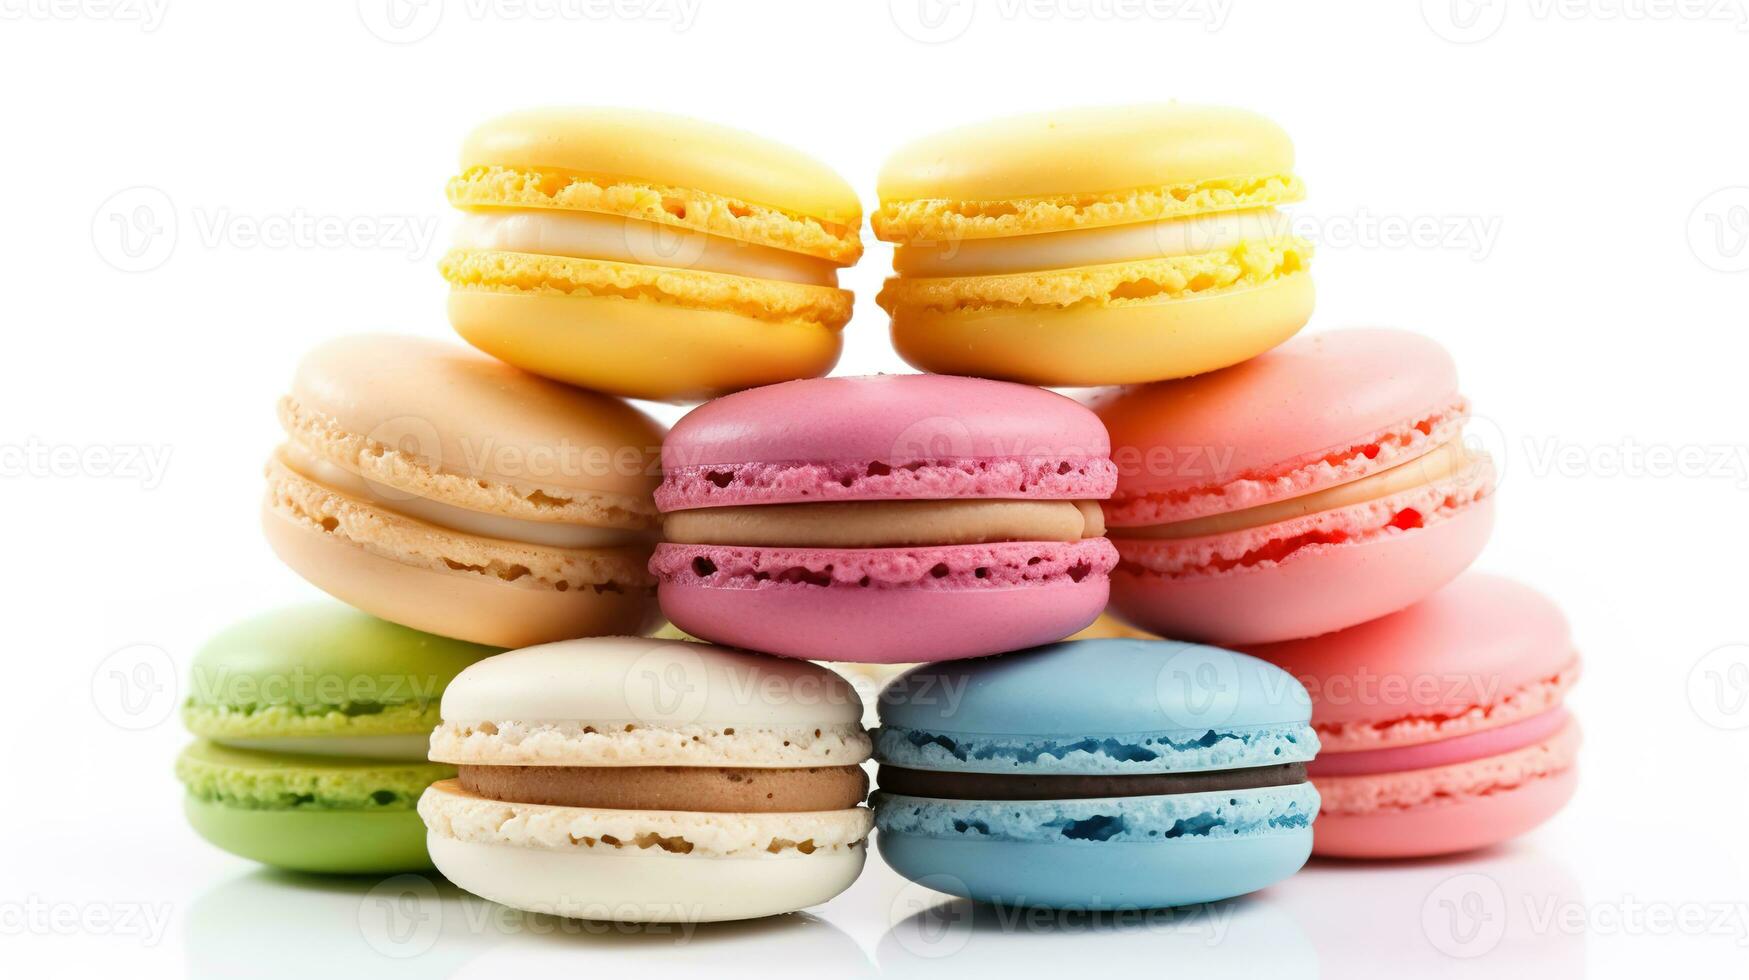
(1109, 707)
(1135, 852)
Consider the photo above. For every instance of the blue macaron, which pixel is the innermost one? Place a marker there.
(1096, 774)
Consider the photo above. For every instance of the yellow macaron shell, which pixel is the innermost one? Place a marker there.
(1104, 246)
(647, 255)
(663, 168)
(1083, 168)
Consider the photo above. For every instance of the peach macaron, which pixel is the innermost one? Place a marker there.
(1443, 725)
(1318, 486)
(434, 487)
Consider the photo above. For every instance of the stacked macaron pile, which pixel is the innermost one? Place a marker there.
(1308, 499)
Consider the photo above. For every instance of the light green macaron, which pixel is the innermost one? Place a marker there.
(314, 722)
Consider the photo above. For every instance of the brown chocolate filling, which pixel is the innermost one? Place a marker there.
(1016, 786)
(706, 789)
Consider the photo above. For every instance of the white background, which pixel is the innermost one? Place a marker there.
(1577, 178)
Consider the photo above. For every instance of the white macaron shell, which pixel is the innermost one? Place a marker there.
(666, 683)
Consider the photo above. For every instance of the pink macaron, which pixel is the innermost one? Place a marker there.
(889, 519)
(1318, 486)
(1442, 725)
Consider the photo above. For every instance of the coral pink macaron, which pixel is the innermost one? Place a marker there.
(1318, 486)
(890, 519)
(1442, 725)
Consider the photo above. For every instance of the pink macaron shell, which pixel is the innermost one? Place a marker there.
(1446, 752)
(1483, 652)
(1358, 566)
(1320, 410)
(885, 437)
(885, 605)
(1446, 809)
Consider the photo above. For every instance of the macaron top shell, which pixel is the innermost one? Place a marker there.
(644, 164)
(456, 411)
(1319, 410)
(885, 436)
(1097, 706)
(1481, 653)
(1080, 168)
(280, 672)
(669, 683)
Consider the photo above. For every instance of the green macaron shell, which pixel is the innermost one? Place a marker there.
(325, 841)
(322, 669)
(250, 780)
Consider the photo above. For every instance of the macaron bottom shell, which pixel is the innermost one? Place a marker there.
(321, 841)
(641, 349)
(1129, 852)
(645, 885)
(1448, 827)
(884, 626)
(1102, 345)
(459, 604)
(1100, 876)
(1317, 589)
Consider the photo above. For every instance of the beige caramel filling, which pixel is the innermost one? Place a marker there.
(887, 524)
(1444, 464)
(555, 535)
(702, 789)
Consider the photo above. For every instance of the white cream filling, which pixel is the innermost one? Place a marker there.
(1091, 246)
(399, 748)
(552, 535)
(609, 238)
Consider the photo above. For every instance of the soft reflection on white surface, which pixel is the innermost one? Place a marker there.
(1498, 912)
(951, 937)
(276, 924)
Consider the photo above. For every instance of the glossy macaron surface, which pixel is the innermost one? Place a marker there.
(1094, 246)
(885, 519)
(1096, 774)
(432, 486)
(313, 723)
(1443, 724)
(648, 255)
(649, 780)
(324, 678)
(1318, 486)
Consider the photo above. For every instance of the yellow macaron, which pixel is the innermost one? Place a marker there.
(1094, 246)
(648, 255)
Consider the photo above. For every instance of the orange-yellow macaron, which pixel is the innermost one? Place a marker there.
(434, 487)
(648, 255)
(1094, 246)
